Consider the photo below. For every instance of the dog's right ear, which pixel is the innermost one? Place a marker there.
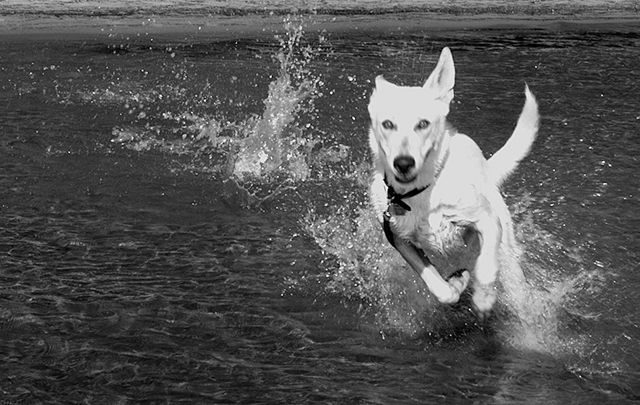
(382, 83)
(442, 79)
(382, 86)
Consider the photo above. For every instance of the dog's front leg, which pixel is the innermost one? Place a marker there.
(445, 292)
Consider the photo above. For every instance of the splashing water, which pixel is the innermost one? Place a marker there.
(529, 314)
(260, 155)
(370, 270)
(272, 142)
(261, 147)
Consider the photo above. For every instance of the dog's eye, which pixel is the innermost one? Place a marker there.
(423, 124)
(386, 124)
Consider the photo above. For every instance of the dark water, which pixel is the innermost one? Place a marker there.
(132, 271)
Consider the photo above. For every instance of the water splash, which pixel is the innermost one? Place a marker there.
(370, 270)
(279, 145)
(273, 143)
(532, 315)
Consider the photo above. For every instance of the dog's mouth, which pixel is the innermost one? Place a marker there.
(405, 179)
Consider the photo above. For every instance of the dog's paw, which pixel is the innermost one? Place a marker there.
(459, 283)
(453, 288)
(484, 297)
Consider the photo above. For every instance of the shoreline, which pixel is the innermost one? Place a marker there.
(102, 20)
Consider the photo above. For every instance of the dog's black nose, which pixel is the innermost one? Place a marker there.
(404, 164)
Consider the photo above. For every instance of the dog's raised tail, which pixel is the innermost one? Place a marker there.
(505, 160)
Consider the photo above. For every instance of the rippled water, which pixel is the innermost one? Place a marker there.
(134, 271)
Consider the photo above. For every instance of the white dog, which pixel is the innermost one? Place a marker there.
(436, 195)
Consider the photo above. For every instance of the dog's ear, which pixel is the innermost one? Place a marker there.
(382, 86)
(382, 83)
(442, 79)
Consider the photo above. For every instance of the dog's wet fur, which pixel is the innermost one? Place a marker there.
(456, 217)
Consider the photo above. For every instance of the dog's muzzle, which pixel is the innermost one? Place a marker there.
(404, 165)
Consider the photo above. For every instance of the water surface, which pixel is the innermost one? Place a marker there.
(134, 271)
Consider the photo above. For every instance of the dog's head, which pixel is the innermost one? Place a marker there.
(408, 124)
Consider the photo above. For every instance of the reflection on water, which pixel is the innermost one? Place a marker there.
(187, 222)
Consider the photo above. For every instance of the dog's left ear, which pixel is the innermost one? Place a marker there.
(442, 79)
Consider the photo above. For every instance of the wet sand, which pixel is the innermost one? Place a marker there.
(22, 19)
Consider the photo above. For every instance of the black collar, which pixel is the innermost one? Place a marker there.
(395, 198)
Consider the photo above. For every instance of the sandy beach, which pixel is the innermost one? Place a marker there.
(240, 18)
